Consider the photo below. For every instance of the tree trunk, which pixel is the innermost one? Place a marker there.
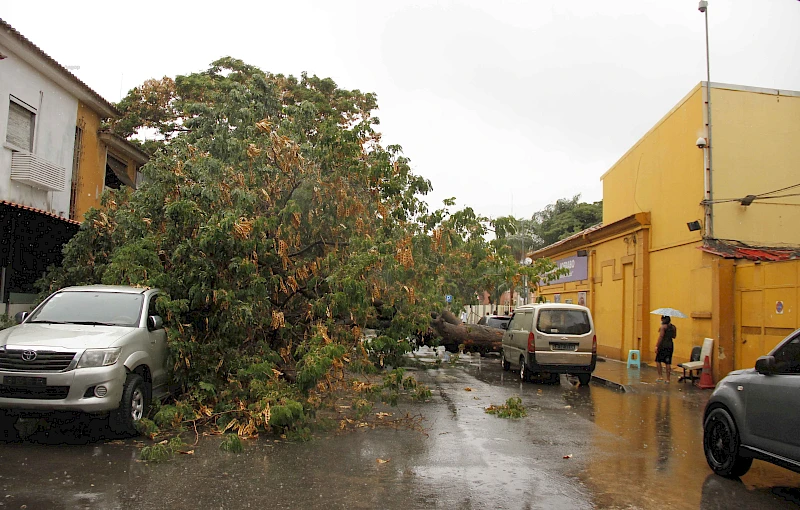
(474, 337)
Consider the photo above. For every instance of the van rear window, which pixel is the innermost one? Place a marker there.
(564, 322)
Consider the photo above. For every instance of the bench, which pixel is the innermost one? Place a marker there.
(696, 363)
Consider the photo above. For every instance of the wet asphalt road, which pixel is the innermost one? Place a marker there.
(629, 450)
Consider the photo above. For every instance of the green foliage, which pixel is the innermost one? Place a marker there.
(513, 408)
(385, 350)
(231, 443)
(362, 408)
(162, 451)
(287, 415)
(6, 321)
(278, 228)
(168, 416)
(147, 428)
(560, 220)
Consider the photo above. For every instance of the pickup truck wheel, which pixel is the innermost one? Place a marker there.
(132, 408)
(721, 445)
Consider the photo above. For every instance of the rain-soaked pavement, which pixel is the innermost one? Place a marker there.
(641, 448)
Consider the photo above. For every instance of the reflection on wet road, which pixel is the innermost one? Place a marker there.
(640, 449)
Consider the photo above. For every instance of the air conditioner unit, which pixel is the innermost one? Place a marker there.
(34, 171)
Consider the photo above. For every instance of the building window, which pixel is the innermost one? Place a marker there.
(116, 171)
(21, 121)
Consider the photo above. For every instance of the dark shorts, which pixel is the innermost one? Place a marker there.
(664, 356)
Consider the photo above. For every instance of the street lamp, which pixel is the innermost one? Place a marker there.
(709, 225)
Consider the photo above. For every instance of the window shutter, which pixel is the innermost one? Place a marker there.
(20, 127)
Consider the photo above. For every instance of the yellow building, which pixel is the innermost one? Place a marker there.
(704, 226)
(101, 159)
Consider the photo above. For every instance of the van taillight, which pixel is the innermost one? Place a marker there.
(594, 344)
(531, 343)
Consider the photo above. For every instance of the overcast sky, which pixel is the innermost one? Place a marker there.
(505, 105)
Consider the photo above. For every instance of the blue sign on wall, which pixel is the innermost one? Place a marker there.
(578, 269)
(448, 298)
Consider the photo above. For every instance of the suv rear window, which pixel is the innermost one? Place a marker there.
(565, 322)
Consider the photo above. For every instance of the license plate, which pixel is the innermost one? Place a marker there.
(564, 347)
(19, 380)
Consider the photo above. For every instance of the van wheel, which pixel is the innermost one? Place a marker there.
(523, 371)
(132, 407)
(504, 363)
(584, 379)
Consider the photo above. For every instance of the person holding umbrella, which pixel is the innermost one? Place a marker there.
(664, 347)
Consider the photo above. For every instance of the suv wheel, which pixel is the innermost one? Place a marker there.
(504, 363)
(584, 379)
(523, 370)
(721, 445)
(132, 408)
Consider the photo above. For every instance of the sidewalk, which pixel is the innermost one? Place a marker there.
(616, 375)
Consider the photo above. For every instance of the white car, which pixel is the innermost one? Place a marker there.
(94, 349)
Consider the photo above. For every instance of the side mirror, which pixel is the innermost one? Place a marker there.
(504, 325)
(766, 365)
(155, 322)
(20, 316)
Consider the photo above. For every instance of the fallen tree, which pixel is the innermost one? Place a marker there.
(453, 333)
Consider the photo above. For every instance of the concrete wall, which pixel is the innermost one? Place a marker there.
(756, 150)
(56, 112)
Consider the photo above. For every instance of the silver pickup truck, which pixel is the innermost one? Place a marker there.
(95, 349)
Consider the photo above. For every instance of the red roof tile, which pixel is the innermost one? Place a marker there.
(39, 211)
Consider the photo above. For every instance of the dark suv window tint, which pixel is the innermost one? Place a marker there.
(564, 322)
(787, 359)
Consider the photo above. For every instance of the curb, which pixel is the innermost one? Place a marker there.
(609, 384)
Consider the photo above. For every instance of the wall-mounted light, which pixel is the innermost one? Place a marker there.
(694, 225)
(747, 200)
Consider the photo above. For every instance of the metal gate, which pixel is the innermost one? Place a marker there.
(766, 303)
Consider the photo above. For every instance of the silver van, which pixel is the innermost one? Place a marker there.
(549, 339)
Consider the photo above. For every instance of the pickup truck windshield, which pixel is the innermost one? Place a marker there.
(91, 308)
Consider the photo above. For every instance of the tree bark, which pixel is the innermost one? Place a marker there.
(474, 337)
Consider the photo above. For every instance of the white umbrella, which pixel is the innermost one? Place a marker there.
(670, 312)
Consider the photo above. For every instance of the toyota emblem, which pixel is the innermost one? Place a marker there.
(28, 355)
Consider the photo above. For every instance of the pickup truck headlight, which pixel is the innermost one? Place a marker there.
(99, 357)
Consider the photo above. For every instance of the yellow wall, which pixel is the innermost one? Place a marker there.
(681, 278)
(755, 150)
(92, 170)
(662, 174)
(615, 287)
(758, 326)
(92, 167)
